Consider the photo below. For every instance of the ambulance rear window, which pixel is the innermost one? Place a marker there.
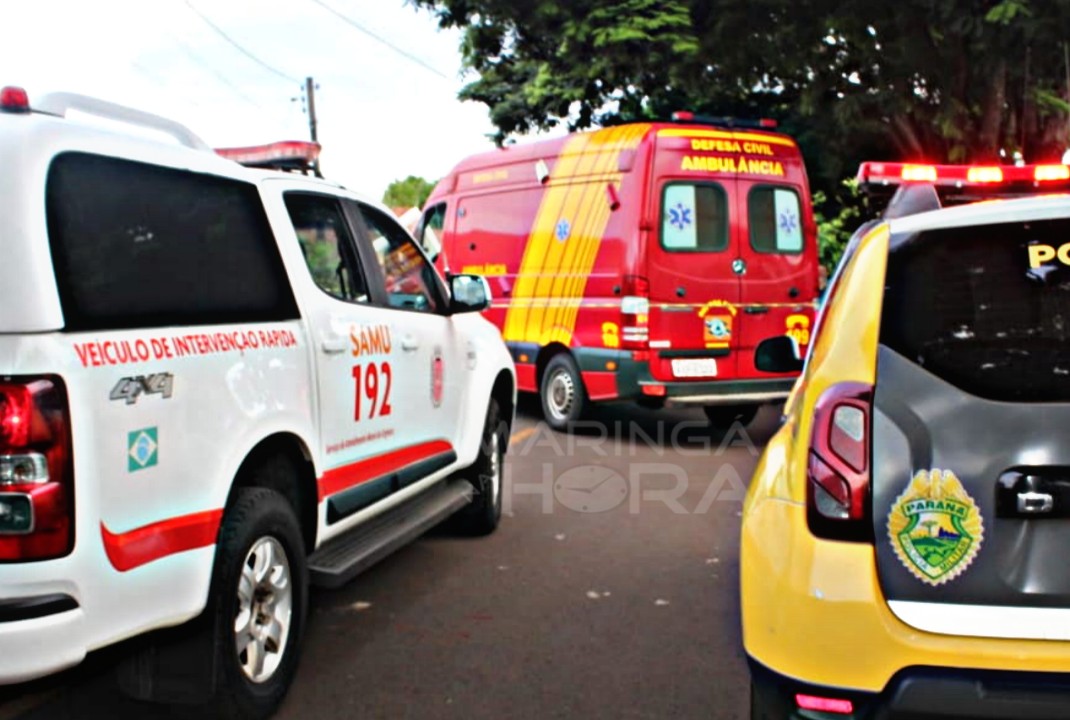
(694, 217)
(986, 308)
(774, 216)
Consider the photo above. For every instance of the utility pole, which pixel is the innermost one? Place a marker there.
(310, 95)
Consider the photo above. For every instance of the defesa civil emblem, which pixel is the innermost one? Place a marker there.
(935, 527)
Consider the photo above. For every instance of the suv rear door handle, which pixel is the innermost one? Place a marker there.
(1035, 503)
(409, 343)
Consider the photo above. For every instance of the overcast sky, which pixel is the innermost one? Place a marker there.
(382, 115)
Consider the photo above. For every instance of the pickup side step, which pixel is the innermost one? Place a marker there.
(343, 558)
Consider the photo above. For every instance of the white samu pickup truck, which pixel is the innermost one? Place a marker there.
(217, 385)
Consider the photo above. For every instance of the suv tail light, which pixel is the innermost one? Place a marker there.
(36, 470)
(837, 494)
(635, 313)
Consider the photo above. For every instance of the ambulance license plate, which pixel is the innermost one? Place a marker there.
(692, 368)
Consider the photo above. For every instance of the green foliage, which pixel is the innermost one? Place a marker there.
(410, 192)
(837, 219)
(934, 80)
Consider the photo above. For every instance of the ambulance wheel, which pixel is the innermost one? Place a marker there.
(723, 417)
(564, 399)
(258, 604)
(482, 515)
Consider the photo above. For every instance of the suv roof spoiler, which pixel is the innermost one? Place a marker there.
(902, 189)
(59, 104)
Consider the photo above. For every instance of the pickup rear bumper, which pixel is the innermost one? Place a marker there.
(40, 636)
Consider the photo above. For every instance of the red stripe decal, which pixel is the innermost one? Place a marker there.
(342, 478)
(143, 545)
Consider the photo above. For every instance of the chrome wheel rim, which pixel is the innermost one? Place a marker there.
(265, 608)
(561, 392)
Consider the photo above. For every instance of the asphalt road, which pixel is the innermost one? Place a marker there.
(609, 591)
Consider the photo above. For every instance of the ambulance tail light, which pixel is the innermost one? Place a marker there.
(837, 493)
(635, 313)
(36, 470)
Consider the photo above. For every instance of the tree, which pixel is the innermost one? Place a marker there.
(410, 192)
(940, 80)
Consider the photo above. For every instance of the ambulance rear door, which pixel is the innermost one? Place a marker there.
(777, 240)
(694, 288)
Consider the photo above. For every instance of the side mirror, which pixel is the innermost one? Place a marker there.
(778, 355)
(470, 293)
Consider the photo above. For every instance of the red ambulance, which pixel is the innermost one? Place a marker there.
(645, 262)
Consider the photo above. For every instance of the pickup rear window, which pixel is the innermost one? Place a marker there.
(986, 308)
(137, 245)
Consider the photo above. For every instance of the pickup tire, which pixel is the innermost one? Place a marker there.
(258, 604)
(482, 516)
(563, 396)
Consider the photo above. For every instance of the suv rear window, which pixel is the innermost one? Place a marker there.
(136, 245)
(967, 305)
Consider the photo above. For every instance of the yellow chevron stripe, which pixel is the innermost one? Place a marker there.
(629, 139)
(517, 318)
(540, 322)
(586, 228)
(553, 275)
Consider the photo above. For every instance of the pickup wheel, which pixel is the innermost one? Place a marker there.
(481, 517)
(564, 399)
(258, 604)
(723, 417)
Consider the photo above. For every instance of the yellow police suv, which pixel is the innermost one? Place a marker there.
(906, 535)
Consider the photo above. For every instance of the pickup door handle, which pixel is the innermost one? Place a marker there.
(409, 343)
(756, 309)
(334, 344)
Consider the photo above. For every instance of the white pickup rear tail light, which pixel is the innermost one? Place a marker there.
(36, 470)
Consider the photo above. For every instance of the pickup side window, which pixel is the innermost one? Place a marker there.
(137, 245)
(774, 215)
(694, 217)
(410, 280)
(327, 246)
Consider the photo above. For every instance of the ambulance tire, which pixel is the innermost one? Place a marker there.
(564, 399)
(723, 417)
(482, 515)
(259, 525)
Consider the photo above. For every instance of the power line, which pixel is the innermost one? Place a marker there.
(353, 23)
(238, 47)
(222, 78)
(161, 82)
